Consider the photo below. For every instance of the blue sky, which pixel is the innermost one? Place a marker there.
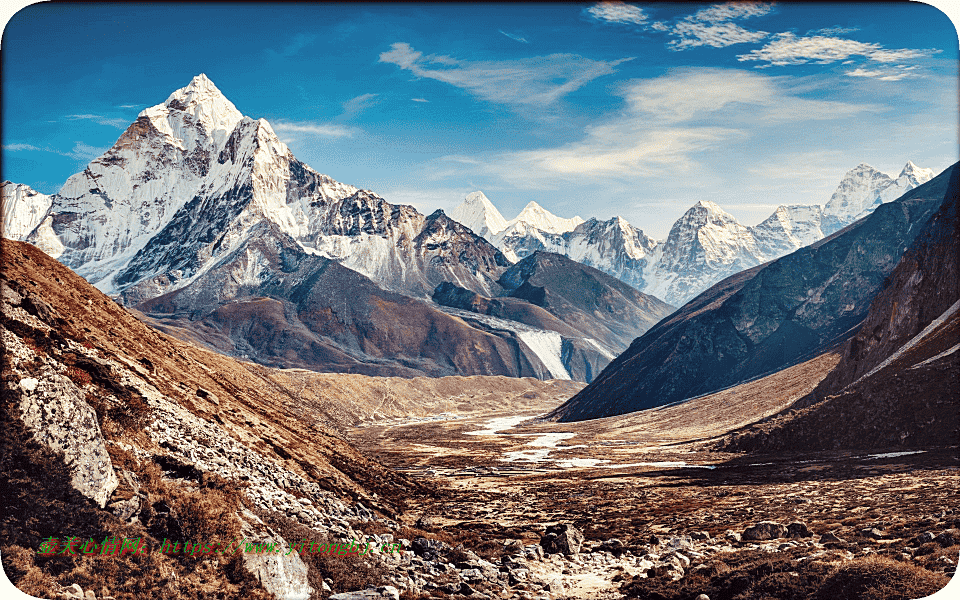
(590, 109)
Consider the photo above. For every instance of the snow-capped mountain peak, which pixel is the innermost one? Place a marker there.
(479, 214)
(23, 209)
(201, 104)
(537, 216)
(917, 175)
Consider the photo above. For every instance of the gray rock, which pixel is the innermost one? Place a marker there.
(282, 574)
(60, 419)
(924, 538)
(562, 539)
(872, 532)
(614, 546)
(765, 530)
(126, 509)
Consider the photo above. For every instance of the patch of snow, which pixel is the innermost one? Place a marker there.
(895, 454)
(493, 426)
(547, 345)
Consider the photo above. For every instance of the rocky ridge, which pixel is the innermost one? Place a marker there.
(703, 247)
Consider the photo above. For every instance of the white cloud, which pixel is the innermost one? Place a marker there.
(538, 81)
(712, 27)
(419, 99)
(514, 37)
(618, 12)
(880, 74)
(789, 49)
(22, 147)
(118, 122)
(732, 10)
(353, 106)
(85, 152)
(296, 44)
(311, 128)
(833, 31)
(668, 122)
(80, 151)
(692, 34)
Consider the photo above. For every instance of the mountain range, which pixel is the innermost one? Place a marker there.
(767, 317)
(204, 220)
(704, 246)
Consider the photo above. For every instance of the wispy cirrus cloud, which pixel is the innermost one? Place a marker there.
(669, 121)
(618, 12)
(24, 147)
(896, 74)
(355, 105)
(80, 151)
(118, 122)
(85, 152)
(833, 31)
(330, 130)
(536, 81)
(714, 27)
(790, 49)
(514, 37)
(419, 99)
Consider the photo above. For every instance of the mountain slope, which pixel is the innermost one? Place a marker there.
(765, 318)
(105, 214)
(705, 245)
(480, 215)
(584, 298)
(269, 300)
(896, 383)
(584, 317)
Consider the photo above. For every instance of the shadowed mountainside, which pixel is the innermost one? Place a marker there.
(765, 318)
(896, 383)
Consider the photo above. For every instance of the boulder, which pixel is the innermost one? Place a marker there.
(562, 539)
(765, 530)
(798, 529)
(282, 574)
(55, 412)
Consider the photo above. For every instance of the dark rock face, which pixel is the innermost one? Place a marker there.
(765, 318)
(922, 287)
(562, 539)
(886, 392)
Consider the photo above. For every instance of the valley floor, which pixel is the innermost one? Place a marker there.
(651, 482)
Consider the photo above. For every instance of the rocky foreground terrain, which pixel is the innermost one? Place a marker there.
(116, 430)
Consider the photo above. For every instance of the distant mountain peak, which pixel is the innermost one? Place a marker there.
(535, 215)
(479, 214)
